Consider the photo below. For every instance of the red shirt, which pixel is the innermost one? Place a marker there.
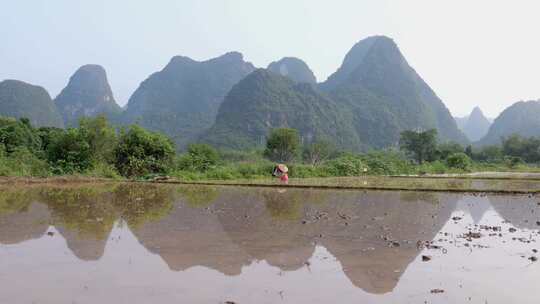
(284, 178)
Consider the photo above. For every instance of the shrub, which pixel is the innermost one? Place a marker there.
(421, 145)
(200, 157)
(101, 169)
(17, 134)
(282, 145)
(386, 163)
(22, 162)
(70, 152)
(446, 149)
(513, 161)
(435, 167)
(140, 152)
(100, 136)
(459, 161)
(347, 165)
(317, 152)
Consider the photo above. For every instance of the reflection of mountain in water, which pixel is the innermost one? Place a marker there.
(522, 211)
(475, 206)
(283, 229)
(26, 224)
(83, 215)
(85, 247)
(227, 228)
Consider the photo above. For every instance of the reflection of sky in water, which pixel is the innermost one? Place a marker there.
(136, 266)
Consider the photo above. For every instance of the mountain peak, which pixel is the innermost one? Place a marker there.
(182, 100)
(293, 68)
(20, 99)
(520, 118)
(477, 125)
(87, 93)
(477, 112)
(231, 56)
(384, 47)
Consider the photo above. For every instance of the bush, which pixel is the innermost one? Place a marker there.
(386, 163)
(200, 157)
(104, 170)
(446, 149)
(17, 134)
(347, 165)
(22, 162)
(513, 161)
(435, 167)
(422, 146)
(101, 137)
(141, 152)
(317, 152)
(70, 152)
(459, 161)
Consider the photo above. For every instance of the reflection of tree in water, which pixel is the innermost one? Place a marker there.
(141, 203)
(15, 200)
(86, 210)
(198, 196)
(288, 204)
(415, 196)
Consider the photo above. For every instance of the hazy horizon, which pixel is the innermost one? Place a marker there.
(471, 54)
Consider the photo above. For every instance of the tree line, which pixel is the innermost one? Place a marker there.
(96, 148)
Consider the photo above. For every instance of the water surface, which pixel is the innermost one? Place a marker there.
(141, 243)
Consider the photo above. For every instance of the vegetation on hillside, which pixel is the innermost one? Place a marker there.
(264, 101)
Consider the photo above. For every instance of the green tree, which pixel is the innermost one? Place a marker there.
(140, 152)
(421, 145)
(199, 157)
(444, 150)
(48, 135)
(527, 149)
(459, 160)
(70, 152)
(101, 137)
(317, 152)
(491, 153)
(15, 134)
(282, 145)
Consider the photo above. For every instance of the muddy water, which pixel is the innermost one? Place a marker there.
(177, 244)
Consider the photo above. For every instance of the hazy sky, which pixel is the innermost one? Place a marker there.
(479, 52)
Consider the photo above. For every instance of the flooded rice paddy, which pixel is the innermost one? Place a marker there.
(144, 243)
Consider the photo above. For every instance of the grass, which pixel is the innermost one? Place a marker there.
(448, 184)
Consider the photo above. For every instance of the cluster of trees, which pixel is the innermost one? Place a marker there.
(94, 145)
(515, 149)
(283, 145)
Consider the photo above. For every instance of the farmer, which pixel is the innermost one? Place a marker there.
(281, 171)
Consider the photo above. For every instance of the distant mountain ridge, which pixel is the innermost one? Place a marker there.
(522, 118)
(375, 94)
(372, 97)
(87, 94)
(475, 125)
(182, 100)
(20, 99)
